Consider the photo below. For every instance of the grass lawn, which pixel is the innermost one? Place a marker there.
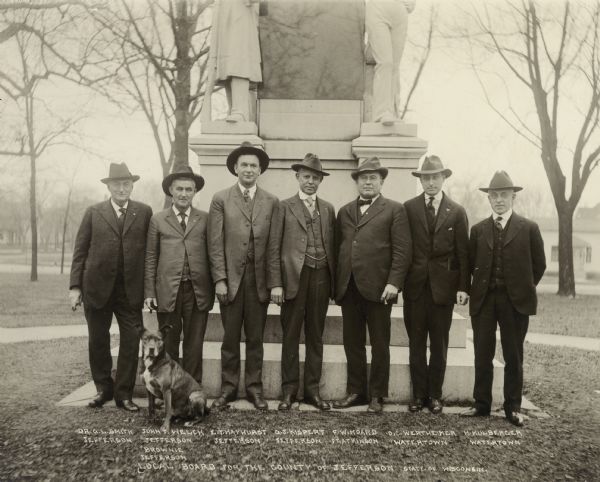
(44, 302)
(39, 440)
(562, 316)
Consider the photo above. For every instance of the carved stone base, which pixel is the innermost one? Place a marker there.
(224, 127)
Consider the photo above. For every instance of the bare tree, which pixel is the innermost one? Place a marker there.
(159, 51)
(419, 47)
(552, 49)
(35, 60)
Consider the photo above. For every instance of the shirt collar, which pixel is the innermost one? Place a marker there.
(251, 190)
(505, 217)
(437, 199)
(372, 199)
(116, 207)
(188, 211)
(304, 196)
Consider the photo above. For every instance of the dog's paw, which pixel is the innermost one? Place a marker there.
(166, 427)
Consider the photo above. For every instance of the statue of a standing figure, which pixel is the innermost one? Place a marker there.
(237, 54)
(387, 25)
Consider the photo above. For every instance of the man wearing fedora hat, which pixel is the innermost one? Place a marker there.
(374, 254)
(177, 280)
(107, 275)
(438, 277)
(244, 269)
(507, 262)
(305, 234)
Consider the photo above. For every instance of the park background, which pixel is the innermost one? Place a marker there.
(79, 105)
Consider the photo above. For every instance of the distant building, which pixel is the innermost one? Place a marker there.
(586, 241)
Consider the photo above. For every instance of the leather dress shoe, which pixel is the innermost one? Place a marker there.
(473, 412)
(100, 399)
(515, 418)
(127, 405)
(436, 406)
(416, 405)
(286, 403)
(259, 402)
(350, 400)
(317, 401)
(222, 401)
(376, 405)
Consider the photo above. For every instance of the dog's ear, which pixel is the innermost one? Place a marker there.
(144, 331)
(164, 330)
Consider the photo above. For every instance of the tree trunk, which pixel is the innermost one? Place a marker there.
(64, 231)
(566, 274)
(33, 220)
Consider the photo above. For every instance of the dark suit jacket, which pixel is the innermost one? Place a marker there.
(96, 253)
(228, 234)
(165, 254)
(375, 247)
(522, 257)
(446, 262)
(291, 236)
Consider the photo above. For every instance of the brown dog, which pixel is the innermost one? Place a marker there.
(165, 379)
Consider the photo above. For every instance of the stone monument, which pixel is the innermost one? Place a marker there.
(315, 97)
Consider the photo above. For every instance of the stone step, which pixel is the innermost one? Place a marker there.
(332, 334)
(458, 384)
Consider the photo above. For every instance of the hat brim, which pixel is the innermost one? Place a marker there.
(106, 180)
(488, 189)
(382, 170)
(263, 158)
(445, 172)
(297, 167)
(167, 181)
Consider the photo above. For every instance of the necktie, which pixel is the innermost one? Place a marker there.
(364, 202)
(121, 218)
(246, 195)
(182, 223)
(498, 223)
(430, 212)
(310, 205)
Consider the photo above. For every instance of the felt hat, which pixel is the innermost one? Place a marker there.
(119, 172)
(182, 172)
(501, 180)
(312, 163)
(247, 148)
(371, 164)
(432, 165)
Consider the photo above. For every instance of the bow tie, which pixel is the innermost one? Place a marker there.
(364, 202)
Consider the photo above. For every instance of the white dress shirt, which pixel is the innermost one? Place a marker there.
(187, 213)
(116, 207)
(364, 207)
(505, 217)
(437, 199)
(251, 190)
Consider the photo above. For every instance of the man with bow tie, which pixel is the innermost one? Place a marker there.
(507, 262)
(438, 277)
(305, 231)
(177, 280)
(374, 254)
(244, 267)
(107, 276)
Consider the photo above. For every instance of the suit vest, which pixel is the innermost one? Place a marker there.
(497, 278)
(249, 207)
(316, 257)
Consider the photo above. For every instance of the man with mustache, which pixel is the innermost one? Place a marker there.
(177, 280)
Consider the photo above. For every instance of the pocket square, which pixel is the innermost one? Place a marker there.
(450, 228)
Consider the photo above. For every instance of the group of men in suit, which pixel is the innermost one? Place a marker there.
(251, 249)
